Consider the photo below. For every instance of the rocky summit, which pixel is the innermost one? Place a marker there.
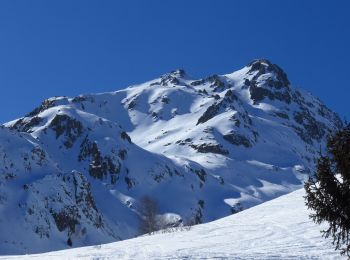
(73, 170)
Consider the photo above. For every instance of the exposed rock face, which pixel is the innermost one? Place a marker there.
(209, 113)
(264, 66)
(70, 128)
(216, 83)
(73, 171)
(237, 139)
(258, 94)
(215, 108)
(209, 148)
(312, 129)
(125, 136)
(24, 125)
(68, 207)
(101, 166)
(44, 105)
(268, 81)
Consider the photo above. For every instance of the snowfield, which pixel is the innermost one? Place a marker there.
(277, 229)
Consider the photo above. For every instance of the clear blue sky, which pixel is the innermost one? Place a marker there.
(54, 48)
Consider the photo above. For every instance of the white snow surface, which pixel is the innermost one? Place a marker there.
(278, 229)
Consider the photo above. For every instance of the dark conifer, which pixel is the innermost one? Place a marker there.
(328, 191)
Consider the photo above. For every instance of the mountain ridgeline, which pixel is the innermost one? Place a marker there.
(73, 170)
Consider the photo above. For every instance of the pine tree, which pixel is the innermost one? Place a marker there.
(328, 191)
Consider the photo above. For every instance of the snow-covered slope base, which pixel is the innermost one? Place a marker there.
(278, 229)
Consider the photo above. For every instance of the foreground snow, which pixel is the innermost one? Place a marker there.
(278, 229)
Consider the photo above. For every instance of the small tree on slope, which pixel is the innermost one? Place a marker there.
(328, 192)
(148, 210)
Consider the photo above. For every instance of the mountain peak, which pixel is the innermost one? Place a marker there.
(264, 62)
(84, 163)
(264, 66)
(178, 73)
(173, 77)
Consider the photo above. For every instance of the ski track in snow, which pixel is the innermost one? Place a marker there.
(278, 229)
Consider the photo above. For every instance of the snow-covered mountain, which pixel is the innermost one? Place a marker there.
(203, 148)
(277, 229)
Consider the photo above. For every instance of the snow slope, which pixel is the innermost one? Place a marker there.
(278, 229)
(76, 168)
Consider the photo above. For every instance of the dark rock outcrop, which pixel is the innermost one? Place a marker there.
(237, 139)
(210, 148)
(69, 127)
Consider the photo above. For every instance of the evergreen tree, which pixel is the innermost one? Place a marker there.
(328, 191)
